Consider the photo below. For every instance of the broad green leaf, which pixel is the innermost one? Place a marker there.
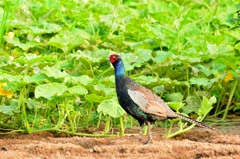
(109, 81)
(175, 97)
(32, 104)
(67, 40)
(110, 107)
(146, 79)
(206, 106)
(96, 55)
(212, 100)
(161, 56)
(176, 105)
(143, 55)
(45, 28)
(30, 57)
(159, 89)
(50, 90)
(54, 72)
(204, 69)
(78, 90)
(84, 79)
(201, 82)
(104, 88)
(217, 79)
(13, 86)
(212, 49)
(188, 59)
(193, 104)
(65, 64)
(33, 59)
(8, 110)
(24, 46)
(94, 98)
(34, 78)
(237, 107)
(145, 44)
(218, 67)
(169, 82)
(230, 61)
(129, 59)
(11, 78)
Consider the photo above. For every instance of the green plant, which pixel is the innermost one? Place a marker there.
(53, 67)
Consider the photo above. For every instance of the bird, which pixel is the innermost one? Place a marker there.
(141, 103)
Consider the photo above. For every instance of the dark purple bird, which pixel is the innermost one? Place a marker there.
(140, 102)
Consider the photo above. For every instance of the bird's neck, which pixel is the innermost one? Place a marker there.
(119, 69)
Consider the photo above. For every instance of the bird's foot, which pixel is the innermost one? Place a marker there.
(148, 140)
(145, 142)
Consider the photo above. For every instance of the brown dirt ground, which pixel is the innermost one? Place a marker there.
(198, 143)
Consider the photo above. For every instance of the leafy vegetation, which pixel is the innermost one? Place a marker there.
(54, 74)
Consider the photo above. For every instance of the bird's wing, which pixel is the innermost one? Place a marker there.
(148, 102)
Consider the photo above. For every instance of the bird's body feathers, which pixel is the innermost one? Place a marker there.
(141, 102)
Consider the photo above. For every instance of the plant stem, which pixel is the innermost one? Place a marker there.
(89, 113)
(6, 126)
(107, 126)
(102, 73)
(170, 128)
(230, 99)
(21, 106)
(220, 112)
(219, 101)
(69, 117)
(91, 68)
(99, 119)
(7, 5)
(13, 131)
(78, 134)
(62, 116)
(180, 131)
(187, 76)
(34, 120)
(71, 122)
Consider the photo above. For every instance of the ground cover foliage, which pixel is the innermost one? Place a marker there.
(54, 74)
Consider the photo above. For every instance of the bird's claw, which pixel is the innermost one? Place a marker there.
(145, 142)
(148, 140)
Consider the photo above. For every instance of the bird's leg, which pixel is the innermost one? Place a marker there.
(140, 133)
(149, 133)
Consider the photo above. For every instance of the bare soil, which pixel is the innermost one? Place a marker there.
(197, 144)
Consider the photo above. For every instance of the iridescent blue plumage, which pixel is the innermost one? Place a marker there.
(119, 69)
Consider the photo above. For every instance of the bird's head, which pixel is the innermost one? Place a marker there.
(117, 64)
(113, 58)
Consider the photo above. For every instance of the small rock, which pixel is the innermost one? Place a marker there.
(97, 149)
(4, 148)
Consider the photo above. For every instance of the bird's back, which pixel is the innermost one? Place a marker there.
(141, 102)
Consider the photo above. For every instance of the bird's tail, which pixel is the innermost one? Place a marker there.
(201, 124)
